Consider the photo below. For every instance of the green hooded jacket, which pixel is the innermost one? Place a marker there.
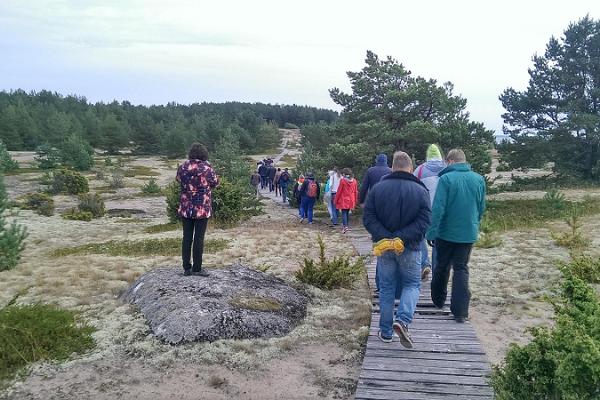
(458, 205)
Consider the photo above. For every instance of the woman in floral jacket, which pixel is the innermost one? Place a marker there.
(197, 178)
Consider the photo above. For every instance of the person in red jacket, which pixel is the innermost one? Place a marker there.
(346, 197)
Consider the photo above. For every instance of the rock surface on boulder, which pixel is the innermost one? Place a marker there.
(231, 303)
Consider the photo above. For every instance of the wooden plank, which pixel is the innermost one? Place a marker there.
(382, 394)
(439, 388)
(429, 347)
(418, 377)
(469, 357)
(400, 363)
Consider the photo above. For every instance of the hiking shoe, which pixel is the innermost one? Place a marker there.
(310, 222)
(344, 229)
(301, 220)
(187, 272)
(385, 339)
(402, 331)
(460, 320)
(425, 273)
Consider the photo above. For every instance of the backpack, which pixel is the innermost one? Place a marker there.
(284, 177)
(311, 189)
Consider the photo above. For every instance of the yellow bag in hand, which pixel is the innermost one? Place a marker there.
(396, 245)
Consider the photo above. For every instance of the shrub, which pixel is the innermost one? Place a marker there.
(585, 268)
(47, 157)
(503, 167)
(67, 181)
(329, 274)
(12, 236)
(172, 192)
(554, 199)
(289, 125)
(233, 202)
(573, 239)
(488, 236)
(6, 161)
(108, 162)
(117, 179)
(562, 362)
(92, 203)
(39, 332)
(151, 187)
(41, 203)
(77, 215)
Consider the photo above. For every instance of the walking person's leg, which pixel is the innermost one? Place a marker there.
(284, 193)
(388, 280)
(345, 220)
(425, 264)
(303, 207)
(461, 295)
(409, 280)
(441, 273)
(186, 244)
(198, 251)
(334, 219)
(310, 204)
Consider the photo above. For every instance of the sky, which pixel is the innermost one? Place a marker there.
(285, 52)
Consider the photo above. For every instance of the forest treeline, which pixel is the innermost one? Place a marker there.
(34, 119)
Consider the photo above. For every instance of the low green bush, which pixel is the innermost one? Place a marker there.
(47, 157)
(573, 239)
(77, 215)
(108, 162)
(93, 203)
(560, 362)
(554, 199)
(41, 203)
(67, 181)
(172, 193)
(289, 125)
(39, 332)
(503, 167)
(583, 267)
(151, 187)
(330, 274)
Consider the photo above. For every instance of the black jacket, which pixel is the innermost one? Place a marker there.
(262, 170)
(398, 206)
(373, 176)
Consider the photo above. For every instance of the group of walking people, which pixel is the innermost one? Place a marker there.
(340, 195)
(440, 203)
(267, 176)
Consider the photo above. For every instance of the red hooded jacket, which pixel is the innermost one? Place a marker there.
(346, 197)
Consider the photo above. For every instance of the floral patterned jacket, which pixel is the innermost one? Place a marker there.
(197, 179)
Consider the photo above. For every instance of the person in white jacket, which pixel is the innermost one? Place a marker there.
(336, 178)
(428, 174)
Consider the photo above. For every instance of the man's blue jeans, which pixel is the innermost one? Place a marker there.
(403, 271)
(284, 191)
(307, 207)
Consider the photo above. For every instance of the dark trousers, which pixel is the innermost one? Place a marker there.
(193, 231)
(455, 256)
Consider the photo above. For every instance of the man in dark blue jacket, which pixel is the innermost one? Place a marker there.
(398, 207)
(373, 176)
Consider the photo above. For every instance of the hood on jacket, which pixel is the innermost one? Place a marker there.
(433, 153)
(435, 166)
(381, 160)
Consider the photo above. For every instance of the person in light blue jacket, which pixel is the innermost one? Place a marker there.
(428, 174)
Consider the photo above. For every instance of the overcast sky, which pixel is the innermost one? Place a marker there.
(153, 52)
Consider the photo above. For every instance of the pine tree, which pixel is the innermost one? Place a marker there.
(12, 235)
(6, 161)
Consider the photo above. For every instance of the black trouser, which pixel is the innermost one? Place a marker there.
(455, 256)
(193, 230)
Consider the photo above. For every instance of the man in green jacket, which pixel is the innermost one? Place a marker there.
(457, 209)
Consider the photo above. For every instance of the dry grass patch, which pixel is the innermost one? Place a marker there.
(256, 303)
(136, 248)
(169, 226)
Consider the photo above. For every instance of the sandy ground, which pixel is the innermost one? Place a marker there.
(321, 358)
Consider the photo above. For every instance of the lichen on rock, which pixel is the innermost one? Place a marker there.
(231, 303)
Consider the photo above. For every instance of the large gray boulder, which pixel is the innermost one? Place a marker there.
(231, 303)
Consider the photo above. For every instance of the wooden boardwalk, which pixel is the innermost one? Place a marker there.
(446, 362)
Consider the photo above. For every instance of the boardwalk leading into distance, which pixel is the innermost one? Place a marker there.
(447, 361)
